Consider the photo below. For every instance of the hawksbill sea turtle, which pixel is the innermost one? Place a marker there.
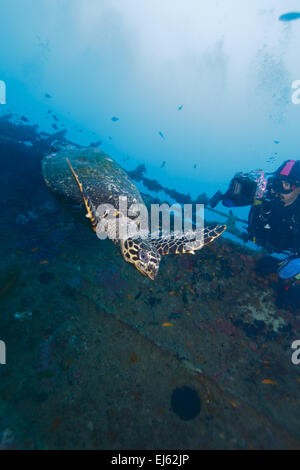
(88, 178)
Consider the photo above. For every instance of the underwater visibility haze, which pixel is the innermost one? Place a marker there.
(149, 339)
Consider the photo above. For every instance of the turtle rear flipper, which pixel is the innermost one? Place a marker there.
(187, 242)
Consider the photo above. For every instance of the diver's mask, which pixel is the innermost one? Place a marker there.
(277, 186)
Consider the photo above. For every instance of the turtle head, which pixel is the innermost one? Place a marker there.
(142, 254)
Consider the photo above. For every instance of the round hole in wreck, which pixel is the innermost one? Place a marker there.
(186, 403)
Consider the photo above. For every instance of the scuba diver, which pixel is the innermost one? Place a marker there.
(273, 223)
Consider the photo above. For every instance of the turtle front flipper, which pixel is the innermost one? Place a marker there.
(184, 243)
(90, 208)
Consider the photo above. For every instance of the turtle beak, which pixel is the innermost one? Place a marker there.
(150, 271)
(153, 273)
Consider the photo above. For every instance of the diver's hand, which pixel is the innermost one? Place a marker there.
(289, 268)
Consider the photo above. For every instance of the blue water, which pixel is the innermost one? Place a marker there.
(230, 68)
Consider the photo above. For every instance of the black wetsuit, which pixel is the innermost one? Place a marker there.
(275, 227)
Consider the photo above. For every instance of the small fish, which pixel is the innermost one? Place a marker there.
(163, 164)
(269, 382)
(195, 166)
(180, 107)
(114, 119)
(161, 135)
(24, 118)
(47, 95)
(233, 404)
(276, 141)
(293, 15)
(167, 324)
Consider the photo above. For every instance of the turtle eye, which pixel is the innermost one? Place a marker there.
(143, 255)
